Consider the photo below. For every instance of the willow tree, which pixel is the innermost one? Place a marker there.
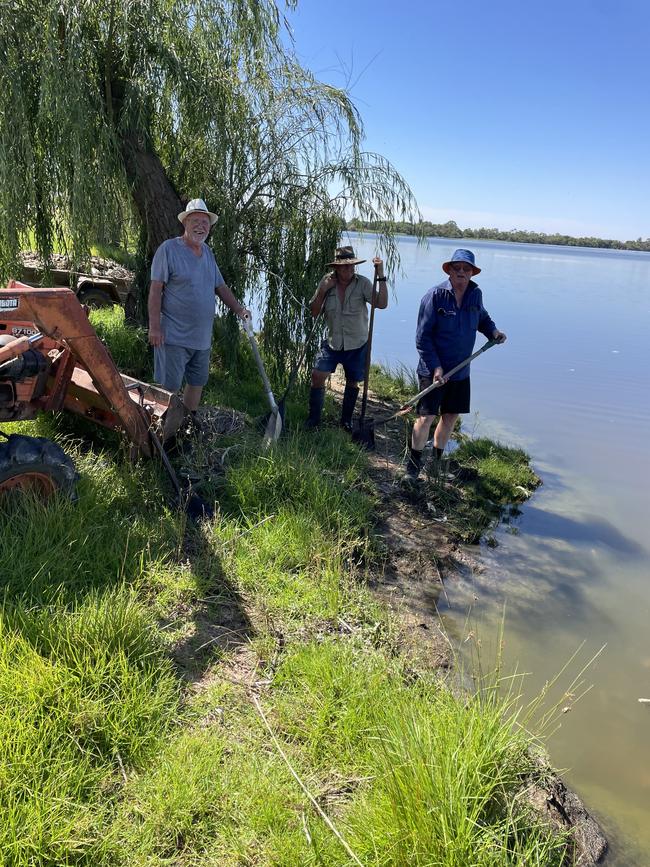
(114, 112)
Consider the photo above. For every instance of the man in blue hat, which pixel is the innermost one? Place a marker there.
(450, 315)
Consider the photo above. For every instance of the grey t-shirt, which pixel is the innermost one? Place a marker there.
(188, 293)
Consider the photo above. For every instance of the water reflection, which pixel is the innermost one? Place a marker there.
(541, 587)
(590, 530)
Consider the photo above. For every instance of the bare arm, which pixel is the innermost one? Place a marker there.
(381, 301)
(326, 284)
(226, 294)
(154, 305)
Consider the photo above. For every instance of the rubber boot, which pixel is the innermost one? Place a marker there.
(316, 401)
(347, 409)
(413, 466)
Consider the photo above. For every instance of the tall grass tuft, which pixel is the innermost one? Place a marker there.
(448, 774)
(128, 345)
(433, 777)
(85, 692)
(398, 382)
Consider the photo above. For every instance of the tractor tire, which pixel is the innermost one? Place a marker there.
(95, 297)
(36, 465)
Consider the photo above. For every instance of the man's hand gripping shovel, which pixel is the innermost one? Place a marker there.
(369, 442)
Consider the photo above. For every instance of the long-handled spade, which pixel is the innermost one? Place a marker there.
(369, 432)
(364, 433)
(274, 425)
(295, 369)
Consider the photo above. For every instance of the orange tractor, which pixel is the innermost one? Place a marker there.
(51, 359)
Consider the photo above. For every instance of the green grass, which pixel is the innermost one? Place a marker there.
(129, 346)
(84, 690)
(504, 473)
(447, 777)
(491, 479)
(393, 383)
(119, 530)
(112, 755)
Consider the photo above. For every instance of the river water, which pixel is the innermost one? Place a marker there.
(572, 387)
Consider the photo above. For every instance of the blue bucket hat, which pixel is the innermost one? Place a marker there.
(462, 256)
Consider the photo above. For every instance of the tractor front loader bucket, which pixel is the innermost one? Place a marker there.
(70, 368)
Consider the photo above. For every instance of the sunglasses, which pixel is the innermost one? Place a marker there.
(457, 268)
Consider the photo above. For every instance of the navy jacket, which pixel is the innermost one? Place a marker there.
(446, 334)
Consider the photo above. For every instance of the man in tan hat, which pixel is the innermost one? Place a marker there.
(343, 296)
(184, 280)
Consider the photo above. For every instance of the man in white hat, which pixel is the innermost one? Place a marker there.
(184, 280)
(343, 296)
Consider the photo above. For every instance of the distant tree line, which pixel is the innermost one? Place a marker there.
(450, 229)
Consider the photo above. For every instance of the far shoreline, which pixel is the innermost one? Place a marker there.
(537, 239)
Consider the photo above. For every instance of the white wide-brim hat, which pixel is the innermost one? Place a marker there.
(197, 206)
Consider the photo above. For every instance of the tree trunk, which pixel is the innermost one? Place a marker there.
(154, 196)
(158, 205)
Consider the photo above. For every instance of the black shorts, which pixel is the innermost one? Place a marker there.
(452, 397)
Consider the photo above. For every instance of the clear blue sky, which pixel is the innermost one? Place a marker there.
(503, 114)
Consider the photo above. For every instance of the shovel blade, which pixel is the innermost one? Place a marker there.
(364, 434)
(273, 428)
(268, 419)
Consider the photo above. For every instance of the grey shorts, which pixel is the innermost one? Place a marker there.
(172, 364)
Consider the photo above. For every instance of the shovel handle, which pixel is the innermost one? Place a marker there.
(409, 403)
(412, 401)
(366, 379)
(248, 328)
(18, 347)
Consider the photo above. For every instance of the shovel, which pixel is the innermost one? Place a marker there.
(364, 433)
(369, 432)
(412, 401)
(274, 424)
(296, 367)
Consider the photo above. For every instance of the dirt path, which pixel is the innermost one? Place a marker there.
(421, 553)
